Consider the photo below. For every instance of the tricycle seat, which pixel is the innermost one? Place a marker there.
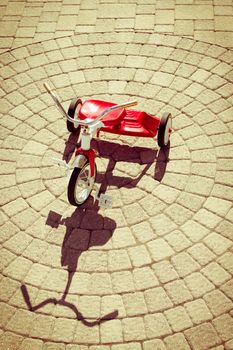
(93, 108)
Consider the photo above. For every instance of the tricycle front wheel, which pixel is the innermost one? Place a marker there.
(81, 184)
(164, 130)
(73, 112)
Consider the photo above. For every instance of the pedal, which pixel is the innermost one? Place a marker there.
(105, 201)
(63, 164)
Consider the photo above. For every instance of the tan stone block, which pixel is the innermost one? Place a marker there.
(184, 27)
(21, 322)
(134, 304)
(127, 346)
(165, 271)
(178, 292)
(110, 10)
(178, 318)
(112, 302)
(143, 232)
(153, 344)
(198, 311)
(162, 224)
(8, 288)
(229, 345)
(133, 328)
(224, 326)
(159, 249)
(66, 22)
(122, 236)
(184, 264)
(7, 312)
(223, 23)
(122, 281)
(178, 213)
(202, 336)
(164, 17)
(144, 21)
(145, 9)
(54, 346)
(64, 329)
(162, 79)
(217, 243)
(111, 332)
(193, 12)
(176, 341)
(118, 260)
(156, 326)
(36, 274)
(157, 300)
(201, 253)
(144, 278)
(224, 38)
(8, 28)
(217, 302)
(216, 273)
(198, 284)
(166, 194)
(194, 231)
(34, 344)
(226, 260)
(18, 242)
(139, 256)
(10, 340)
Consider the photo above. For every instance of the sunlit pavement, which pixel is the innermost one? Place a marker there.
(155, 271)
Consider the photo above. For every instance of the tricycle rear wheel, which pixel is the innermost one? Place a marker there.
(164, 130)
(73, 112)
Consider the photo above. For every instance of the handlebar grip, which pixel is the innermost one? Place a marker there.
(48, 88)
(128, 104)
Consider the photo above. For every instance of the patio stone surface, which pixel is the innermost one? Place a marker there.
(155, 270)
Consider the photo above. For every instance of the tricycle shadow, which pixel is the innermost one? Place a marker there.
(123, 153)
(84, 229)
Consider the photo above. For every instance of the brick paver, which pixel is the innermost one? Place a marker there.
(155, 271)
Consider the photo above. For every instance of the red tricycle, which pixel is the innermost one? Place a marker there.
(88, 119)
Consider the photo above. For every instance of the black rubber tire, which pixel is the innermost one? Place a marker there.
(72, 183)
(71, 112)
(162, 129)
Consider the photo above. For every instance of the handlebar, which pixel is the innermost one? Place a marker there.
(83, 122)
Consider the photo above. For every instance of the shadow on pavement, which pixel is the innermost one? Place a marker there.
(80, 236)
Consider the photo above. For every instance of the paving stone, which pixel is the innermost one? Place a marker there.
(157, 300)
(178, 292)
(202, 336)
(184, 264)
(153, 344)
(159, 249)
(133, 328)
(178, 318)
(144, 278)
(226, 260)
(134, 303)
(111, 332)
(122, 281)
(198, 311)
(156, 325)
(216, 273)
(224, 326)
(198, 284)
(217, 302)
(176, 341)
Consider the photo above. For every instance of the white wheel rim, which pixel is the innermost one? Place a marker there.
(83, 185)
(167, 129)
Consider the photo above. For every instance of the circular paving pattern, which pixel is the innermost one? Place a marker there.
(153, 272)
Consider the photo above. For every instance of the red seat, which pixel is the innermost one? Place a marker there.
(93, 108)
